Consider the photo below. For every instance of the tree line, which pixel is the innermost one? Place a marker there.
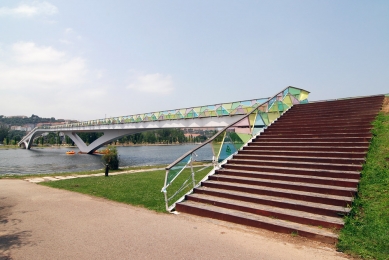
(34, 119)
(162, 136)
(8, 136)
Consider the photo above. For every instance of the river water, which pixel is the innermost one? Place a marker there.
(52, 160)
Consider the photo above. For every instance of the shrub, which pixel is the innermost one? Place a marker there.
(111, 157)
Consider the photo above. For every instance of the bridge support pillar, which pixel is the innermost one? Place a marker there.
(108, 137)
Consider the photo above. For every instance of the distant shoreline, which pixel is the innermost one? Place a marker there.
(70, 146)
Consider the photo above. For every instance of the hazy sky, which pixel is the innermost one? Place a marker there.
(87, 59)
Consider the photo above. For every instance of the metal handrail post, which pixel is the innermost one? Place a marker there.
(193, 174)
(164, 190)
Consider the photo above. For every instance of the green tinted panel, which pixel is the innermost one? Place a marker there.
(273, 116)
(294, 91)
(235, 105)
(265, 118)
(236, 140)
(217, 144)
(244, 139)
(227, 148)
(173, 172)
(271, 102)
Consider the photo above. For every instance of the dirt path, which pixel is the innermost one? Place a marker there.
(38, 222)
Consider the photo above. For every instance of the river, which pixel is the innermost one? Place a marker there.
(53, 160)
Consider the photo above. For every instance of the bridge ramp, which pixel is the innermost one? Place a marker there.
(299, 176)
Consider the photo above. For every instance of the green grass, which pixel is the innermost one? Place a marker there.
(9, 146)
(366, 230)
(140, 189)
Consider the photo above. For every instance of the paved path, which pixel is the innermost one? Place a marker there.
(38, 222)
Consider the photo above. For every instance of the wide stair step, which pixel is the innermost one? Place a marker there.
(294, 158)
(342, 182)
(297, 164)
(312, 207)
(270, 211)
(336, 200)
(291, 185)
(250, 219)
(299, 176)
(291, 153)
(294, 170)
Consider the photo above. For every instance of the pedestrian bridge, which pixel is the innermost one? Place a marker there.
(208, 116)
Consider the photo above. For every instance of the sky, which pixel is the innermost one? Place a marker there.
(93, 59)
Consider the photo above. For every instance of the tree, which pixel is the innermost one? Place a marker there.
(3, 132)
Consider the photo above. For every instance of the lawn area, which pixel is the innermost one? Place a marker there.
(366, 232)
(139, 189)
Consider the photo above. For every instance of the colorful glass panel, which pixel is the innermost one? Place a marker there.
(239, 139)
(227, 148)
(303, 95)
(264, 117)
(287, 101)
(294, 91)
(258, 125)
(273, 116)
(217, 144)
(294, 100)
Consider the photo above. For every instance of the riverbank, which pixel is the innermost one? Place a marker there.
(118, 145)
(8, 146)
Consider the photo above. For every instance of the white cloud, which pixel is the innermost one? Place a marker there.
(30, 10)
(49, 82)
(70, 36)
(28, 52)
(152, 83)
(40, 67)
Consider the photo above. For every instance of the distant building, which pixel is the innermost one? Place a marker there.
(29, 127)
(43, 124)
(15, 117)
(18, 128)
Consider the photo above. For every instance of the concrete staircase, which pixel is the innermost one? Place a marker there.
(299, 176)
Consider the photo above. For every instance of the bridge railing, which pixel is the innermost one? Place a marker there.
(215, 110)
(188, 171)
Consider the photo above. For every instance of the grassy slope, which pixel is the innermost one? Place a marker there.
(366, 232)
